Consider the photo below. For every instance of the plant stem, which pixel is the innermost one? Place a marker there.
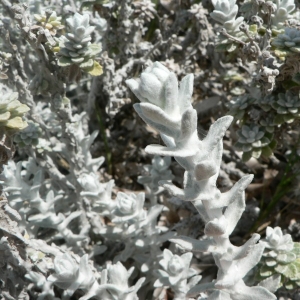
(104, 138)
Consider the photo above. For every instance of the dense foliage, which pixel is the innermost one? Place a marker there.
(146, 145)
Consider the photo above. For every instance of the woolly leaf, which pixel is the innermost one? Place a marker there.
(157, 115)
(190, 244)
(281, 268)
(64, 61)
(171, 94)
(290, 271)
(96, 48)
(286, 257)
(271, 283)
(231, 47)
(188, 124)
(165, 151)
(185, 92)
(296, 249)
(200, 288)
(256, 152)
(172, 189)
(4, 116)
(205, 169)
(96, 70)
(252, 293)
(219, 295)
(235, 192)
(16, 123)
(87, 65)
(266, 271)
(216, 132)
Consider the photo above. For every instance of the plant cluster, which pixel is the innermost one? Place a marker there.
(96, 204)
(281, 256)
(265, 38)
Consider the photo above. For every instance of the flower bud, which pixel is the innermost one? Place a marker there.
(151, 85)
(126, 203)
(175, 265)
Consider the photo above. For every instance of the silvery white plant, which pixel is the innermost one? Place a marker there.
(40, 282)
(225, 13)
(71, 276)
(280, 258)
(130, 223)
(176, 272)
(92, 188)
(98, 193)
(36, 212)
(49, 20)
(158, 170)
(283, 11)
(137, 228)
(70, 273)
(83, 142)
(115, 282)
(19, 191)
(76, 47)
(288, 41)
(287, 106)
(277, 241)
(29, 135)
(11, 111)
(129, 208)
(253, 140)
(169, 110)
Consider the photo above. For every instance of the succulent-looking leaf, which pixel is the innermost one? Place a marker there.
(271, 283)
(96, 70)
(195, 245)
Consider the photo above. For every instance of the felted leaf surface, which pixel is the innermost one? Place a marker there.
(165, 151)
(291, 271)
(219, 295)
(87, 65)
(16, 123)
(253, 293)
(96, 48)
(286, 257)
(271, 283)
(157, 115)
(5, 116)
(296, 249)
(200, 288)
(216, 132)
(186, 92)
(251, 259)
(64, 61)
(195, 245)
(162, 128)
(235, 192)
(171, 94)
(96, 70)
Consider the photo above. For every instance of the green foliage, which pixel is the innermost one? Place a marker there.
(49, 21)
(285, 262)
(288, 42)
(12, 112)
(254, 141)
(257, 137)
(29, 136)
(76, 49)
